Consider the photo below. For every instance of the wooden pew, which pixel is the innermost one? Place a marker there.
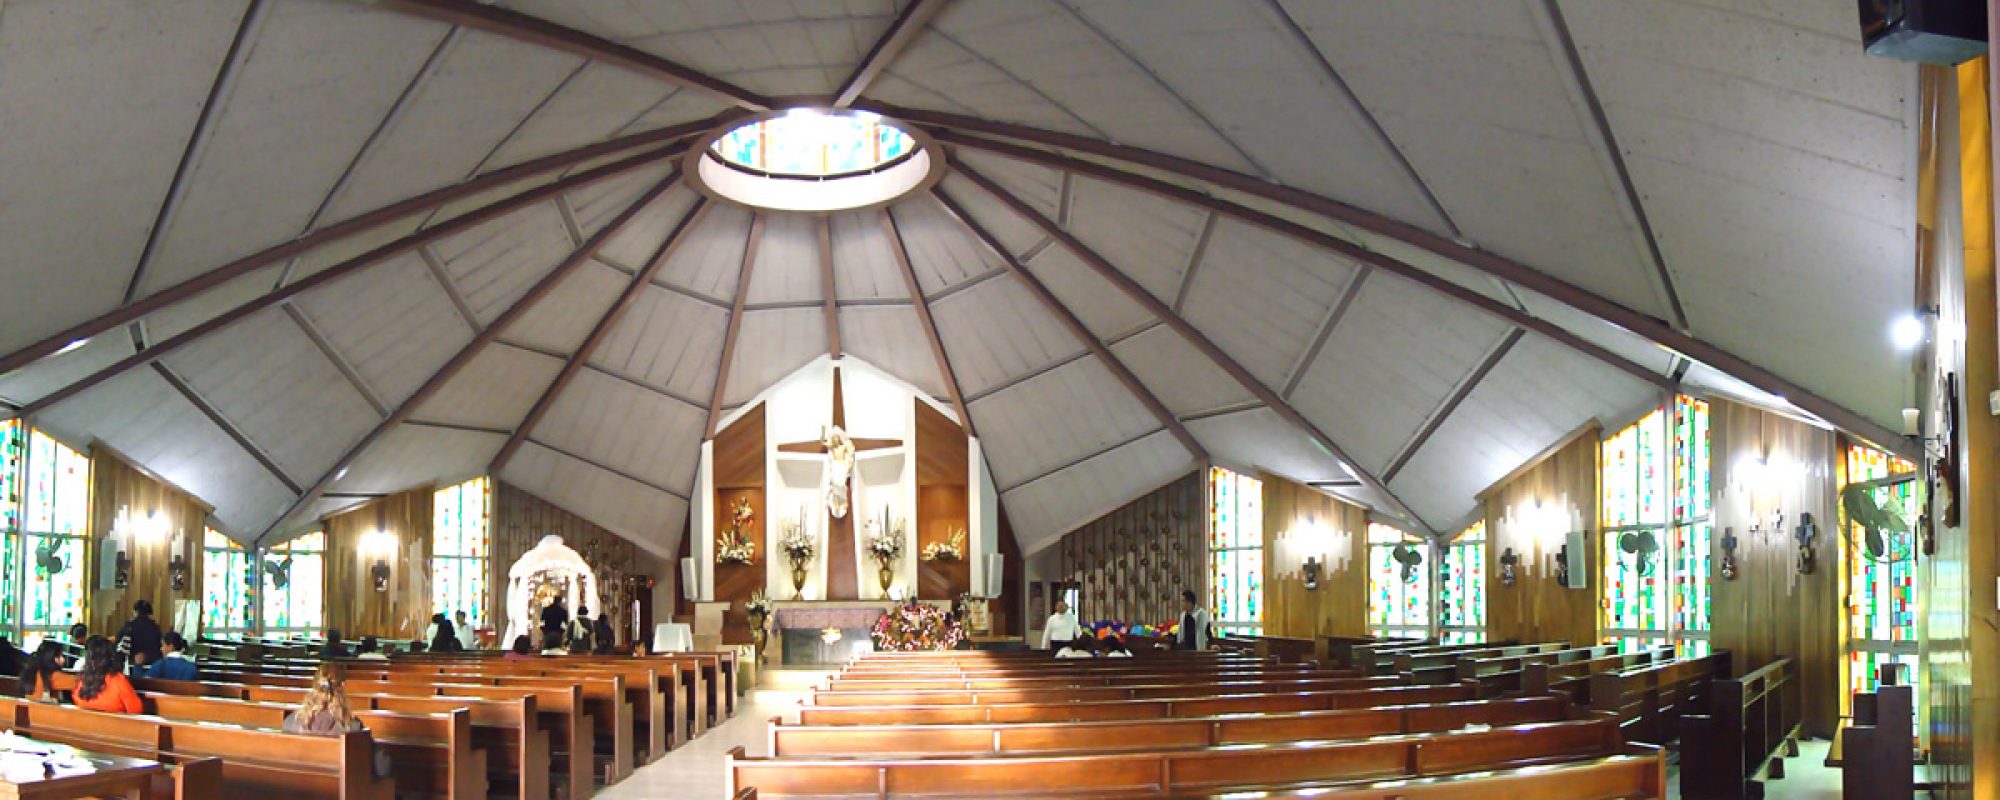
(1648, 700)
(668, 699)
(1876, 755)
(431, 753)
(1195, 705)
(1379, 659)
(1040, 738)
(1283, 648)
(1441, 666)
(1086, 693)
(253, 761)
(1030, 681)
(1572, 678)
(1208, 769)
(1485, 669)
(1750, 721)
(1639, 776)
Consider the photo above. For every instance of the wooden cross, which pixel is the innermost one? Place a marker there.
(841, 582)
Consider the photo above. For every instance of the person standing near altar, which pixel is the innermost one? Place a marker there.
(554, 619)
(1060, 629)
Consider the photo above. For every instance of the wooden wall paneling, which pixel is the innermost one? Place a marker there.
(1770, 610)
(1301, 522)
(1014, 583)
(739, 451)
(943, 501)
(521, 519)
(1132, 563)
(352, 604)
(942, 448)
(116, 483)
(739, 475)
(1537, 608)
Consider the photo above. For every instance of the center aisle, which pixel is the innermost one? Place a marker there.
(694, 770)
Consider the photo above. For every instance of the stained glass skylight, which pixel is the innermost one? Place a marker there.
(809, 143)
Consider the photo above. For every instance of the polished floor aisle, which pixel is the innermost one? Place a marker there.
(695, 770)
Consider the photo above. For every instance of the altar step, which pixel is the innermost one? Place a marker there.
(794, 679)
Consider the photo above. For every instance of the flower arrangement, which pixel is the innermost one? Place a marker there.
(885, 542)
(797, 544)
(759, 605)
(952, 550)
(737, 545)
(916, 626)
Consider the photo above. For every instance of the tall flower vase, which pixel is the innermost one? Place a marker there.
(888, 576)
(798, 580)
(758, 637)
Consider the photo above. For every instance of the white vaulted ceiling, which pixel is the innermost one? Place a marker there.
(317, 247)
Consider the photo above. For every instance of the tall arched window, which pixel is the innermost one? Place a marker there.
(1881, 564)
(295, 584)
(1236, 551)
(1462, 587)
(461, 539)
(1399, 582)
(1657, 525)
(225, 584)
(56, 515)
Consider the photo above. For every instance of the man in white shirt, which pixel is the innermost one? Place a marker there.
(462, 627)
(1193, 633)
(1060, 628)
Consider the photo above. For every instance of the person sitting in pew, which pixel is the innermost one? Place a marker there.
(1080, 647)
(581, 632)
(174, 665)
(334, 647)
(38, 677)
(79, 632)
(324, 712)
(605, 636)
(102, 686)
(1114, 647)
(522, 650)
(445, 640)
(11, 657)
(141, 635)
(370, 650)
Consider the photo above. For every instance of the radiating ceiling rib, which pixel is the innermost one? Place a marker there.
(1607, 148)
(1096, 346)
(966, 284)
(569, 223)
(376, 256)
(450, 426)
(436, 268)
(826, 288)
(923, 307)
(255, 452)
(611, 469)
(1195, 337)
(678, 398)
(471, 350)
(1079, 460)
(350, 226)
(1451, 402)
(1029, 375)
(522, 27)
(1195, 257)
(340, 362)
(605, 323)
(908, 25)
(1493, 264)
(1298, 371)
(197, 142)
(743, 276)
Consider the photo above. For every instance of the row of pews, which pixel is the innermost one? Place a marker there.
(1269, 719)
(460, 726)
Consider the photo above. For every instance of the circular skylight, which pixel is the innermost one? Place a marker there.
(813, 160)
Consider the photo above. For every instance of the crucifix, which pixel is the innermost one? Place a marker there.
(840, 450)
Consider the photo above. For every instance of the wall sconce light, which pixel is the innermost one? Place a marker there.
(379, 544)
(177, 570)
(1311, 569)
(380, 572)
(1807, 533)
(1562, 565)
(1507, 562)
(1729, 554)
(123, 576)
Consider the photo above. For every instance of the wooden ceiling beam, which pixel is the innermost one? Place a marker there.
(1264, 394)
(1076, 328)
(339, 230)
(455, 225)
(541, 289)
(715, 396)
(605, 324)
(923, 308)
(953, 128)
(537, 31)
(826, 287)
(905, 29)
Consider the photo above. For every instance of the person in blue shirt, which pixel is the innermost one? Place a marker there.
(174, 665)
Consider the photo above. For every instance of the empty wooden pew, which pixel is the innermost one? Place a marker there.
(1572, 678)
(1195, 705)
(1749, 721)
(1441, 666)
(1649, 700)
(1086, 693)
(1638, 776)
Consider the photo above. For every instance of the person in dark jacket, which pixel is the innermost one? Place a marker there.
(334, 647)
(446, 638)
(554, 619)
(174, 665)
(605, 636)
(141, 635)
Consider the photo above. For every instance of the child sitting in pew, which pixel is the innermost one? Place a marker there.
(1114, 647)
(324, 711)
(102, 685)
(1080, 647)
(174, 665)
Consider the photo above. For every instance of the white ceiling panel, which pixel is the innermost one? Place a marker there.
(1538, 393)
(936, 70)
(49, 373)
(482, 88)
(770, 345)
(591, 107)
(996, 332)
(1044, 510)
(685, 105)
(787, 268)
(712, 259)
(1056, 418)
(640, 240)
(627, 428)
(1261, 297)
(667, 340)
(892, 338)
(141, 416)
(1104, 308)
(648, 517)
(178, 318)
(417, 455)
(942, 253)
(565, 317)
(97, 163)
(1038, 186)
(1620, 341)
(1185, 380)
(1019, 234)
(1258, 439)
(494, 264)
(324, 72)
(1391, 361)
(275, 386)
(864, 259)
(494, 390)
(394, 325)
(1150, 239)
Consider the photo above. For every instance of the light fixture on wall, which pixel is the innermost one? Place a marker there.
(379, 545)
(1311, 570)
(1562, 565)
(1507, 563)
(1729, 554)
(1807, 533)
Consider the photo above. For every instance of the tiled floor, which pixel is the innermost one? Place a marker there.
(695, 770)
(1807, 777)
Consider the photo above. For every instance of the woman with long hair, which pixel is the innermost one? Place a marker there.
(102, 685)
(38, 677)
(522, 649)
(324, 711)
(445, 639)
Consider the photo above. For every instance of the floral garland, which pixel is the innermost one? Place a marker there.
(736, 545)
(953, 550)
(916, 626)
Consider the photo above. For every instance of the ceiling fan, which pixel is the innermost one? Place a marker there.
(1886, 532)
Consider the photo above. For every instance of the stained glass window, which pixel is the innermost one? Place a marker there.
(813, 143)
(295, 584)
(56, 507)
(225, 583)
(13, 456)
(461, 539)
(1881, 567)
(1399, 582)
(1462, 592)
(1657, 523)
(1236, 551)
